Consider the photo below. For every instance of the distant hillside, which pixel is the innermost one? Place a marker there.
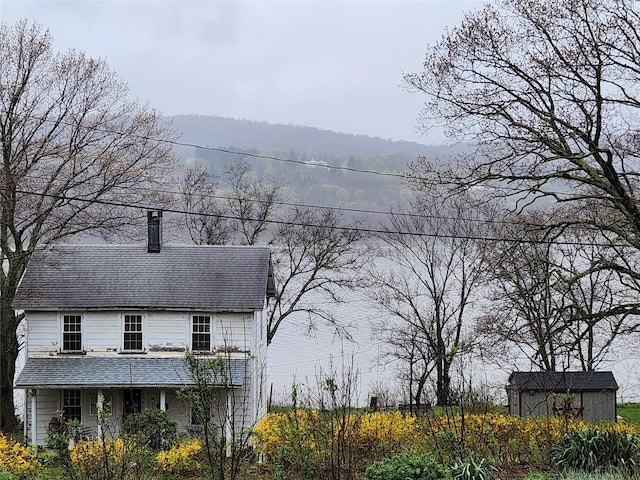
(301, 156)
(212, 131)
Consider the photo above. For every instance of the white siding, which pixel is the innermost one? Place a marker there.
(234, 330)
(43, 334)
(101, 331)
(47, 402)
(167, 331)
(162, 331)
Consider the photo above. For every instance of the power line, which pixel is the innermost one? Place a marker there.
(372, 231)
(270, 157)
(287, 160)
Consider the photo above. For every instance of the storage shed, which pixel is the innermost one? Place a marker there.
(589, 395)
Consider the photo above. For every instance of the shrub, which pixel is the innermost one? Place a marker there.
(152, 428)
(15, 458)
(591, 449)
(91, 454)
(407, 466)
(473, 469)
(297, 439)
(120, 458)
(181, 459)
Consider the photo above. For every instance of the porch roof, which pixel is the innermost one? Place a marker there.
(120, 371)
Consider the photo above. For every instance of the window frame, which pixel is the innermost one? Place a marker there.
(64, 332)
(71, 402)
(127, 342)
(202, 334)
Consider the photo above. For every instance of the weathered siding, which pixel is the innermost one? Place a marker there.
(47, 402)
(101, 331)
(43, 334)
(595, 405)
(599, 405)
(162, 331)
(169, 331)
(233, 330)
(534, 404)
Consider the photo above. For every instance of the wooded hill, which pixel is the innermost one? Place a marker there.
(322, 166)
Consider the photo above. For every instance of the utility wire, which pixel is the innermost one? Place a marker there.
(399, 213)
(270, 157)
(372, 231)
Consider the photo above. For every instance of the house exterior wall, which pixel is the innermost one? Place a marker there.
(165, 333)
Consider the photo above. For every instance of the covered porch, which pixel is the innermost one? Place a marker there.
(100, 392)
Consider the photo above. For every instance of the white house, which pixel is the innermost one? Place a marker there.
(110, 325)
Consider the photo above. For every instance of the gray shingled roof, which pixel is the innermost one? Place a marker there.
(194, 277)
(562, 381)
(124, 371)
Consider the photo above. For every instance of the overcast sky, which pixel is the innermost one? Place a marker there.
(332, 65)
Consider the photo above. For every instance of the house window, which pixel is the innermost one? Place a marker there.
(71, 405)
(201, 333)
(132, 332)
(72, 333)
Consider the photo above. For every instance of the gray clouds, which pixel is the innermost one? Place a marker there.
(335, 65)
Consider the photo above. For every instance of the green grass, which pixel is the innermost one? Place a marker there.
(630, 412)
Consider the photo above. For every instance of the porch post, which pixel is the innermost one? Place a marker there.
(230, 419)
(34, 422)
(163, 399)
(99, 407)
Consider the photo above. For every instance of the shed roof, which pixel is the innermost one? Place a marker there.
(193, 277)
(562, 381)
(120, 371)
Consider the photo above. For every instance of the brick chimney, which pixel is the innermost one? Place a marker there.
(154, 230)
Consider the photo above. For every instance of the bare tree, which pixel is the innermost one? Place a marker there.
(527, 306)
(406, 346)
(433, 280)
(318, 254)
(241, 210)
(597, 299)
(75, 152)
(547, 92)
(253, 201)
(212, 224)
(546, 300)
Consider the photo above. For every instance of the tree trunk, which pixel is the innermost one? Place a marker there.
(8, 357)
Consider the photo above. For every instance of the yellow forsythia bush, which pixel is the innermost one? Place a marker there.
(278, 429)
(391, 430)
(501, 439)
(181, 459)
(92, 454)
(364, 432)
(506, 439)
(16, 458)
